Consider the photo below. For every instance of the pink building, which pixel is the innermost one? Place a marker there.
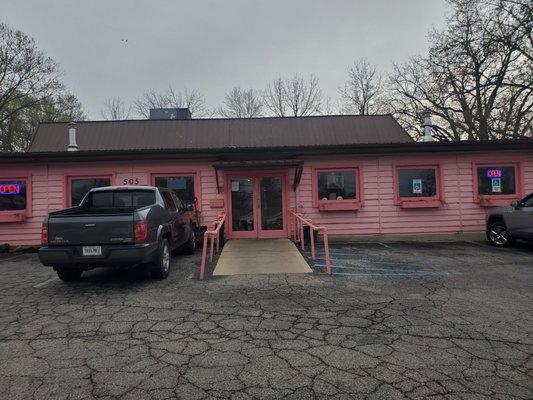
(357, 175)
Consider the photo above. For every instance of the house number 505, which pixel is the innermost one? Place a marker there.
(130, 181)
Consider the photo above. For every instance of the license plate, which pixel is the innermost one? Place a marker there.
(92, 250)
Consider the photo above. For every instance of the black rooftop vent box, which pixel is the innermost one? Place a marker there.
(170, 113)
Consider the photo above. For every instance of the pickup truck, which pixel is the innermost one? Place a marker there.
(118, 226)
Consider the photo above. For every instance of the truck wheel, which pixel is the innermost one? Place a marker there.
(69, 275)
(190, 246)
(161, 266)
(497, 235)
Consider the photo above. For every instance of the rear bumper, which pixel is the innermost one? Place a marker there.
(112, 256)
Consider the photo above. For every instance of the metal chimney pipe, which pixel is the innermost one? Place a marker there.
(427, 129)
(72, 145)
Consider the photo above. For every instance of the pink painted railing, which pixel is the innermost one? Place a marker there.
(210, 238)
(298, 236)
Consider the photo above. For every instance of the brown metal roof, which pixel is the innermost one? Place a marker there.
(222, 134)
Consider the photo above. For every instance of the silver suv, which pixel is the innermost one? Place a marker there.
(506, 224)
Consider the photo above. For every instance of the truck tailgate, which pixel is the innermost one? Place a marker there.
(91, 229)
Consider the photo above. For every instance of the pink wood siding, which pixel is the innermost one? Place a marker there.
(50, 192)
(377, 215)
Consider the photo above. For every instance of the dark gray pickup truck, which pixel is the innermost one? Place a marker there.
(118, 226)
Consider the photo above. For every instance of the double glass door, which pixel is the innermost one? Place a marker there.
(256, 206)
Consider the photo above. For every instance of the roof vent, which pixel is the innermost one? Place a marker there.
(427, 128)
(72, 145)
(170, 113)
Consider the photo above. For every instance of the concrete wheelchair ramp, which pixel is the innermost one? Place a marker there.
(260, 256)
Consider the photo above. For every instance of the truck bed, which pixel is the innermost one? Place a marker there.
(79, 226)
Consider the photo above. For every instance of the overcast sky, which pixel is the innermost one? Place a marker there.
(213, 45)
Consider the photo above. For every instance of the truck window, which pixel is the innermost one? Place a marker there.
(177, 200)
(122, 199)
(167, 198)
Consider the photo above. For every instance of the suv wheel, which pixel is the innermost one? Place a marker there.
(190, 246)
(497, 235)
(69, 275)
(161, 266)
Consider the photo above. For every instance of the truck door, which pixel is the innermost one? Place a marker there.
(520, 220)
(174, 217)
(184, 219)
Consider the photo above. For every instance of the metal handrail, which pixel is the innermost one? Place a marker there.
(298, 235)
(214, 235)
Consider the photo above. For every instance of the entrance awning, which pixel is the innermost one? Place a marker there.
(260, 164)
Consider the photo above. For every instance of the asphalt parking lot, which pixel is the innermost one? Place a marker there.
(401, 320)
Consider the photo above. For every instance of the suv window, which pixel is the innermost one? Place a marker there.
(527, 202)
(167, 198)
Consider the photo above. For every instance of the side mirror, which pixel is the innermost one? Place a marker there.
(514, 204)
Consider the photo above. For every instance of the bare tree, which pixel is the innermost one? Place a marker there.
(241, 103)
(191, 99)
(115, 109)
(476, 80)
(362, 91)
(274, 98)
(293, 96)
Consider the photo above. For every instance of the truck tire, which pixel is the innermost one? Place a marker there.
(69, 275)
(190, 246)
(161, 266)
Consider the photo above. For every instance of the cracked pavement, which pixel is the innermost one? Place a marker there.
(466, 334)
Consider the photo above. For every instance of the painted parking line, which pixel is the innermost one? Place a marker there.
(356, 270)
(380, 274)
(42, 284)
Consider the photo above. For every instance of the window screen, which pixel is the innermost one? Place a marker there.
(417, 182)
(12, 195)
(496, 180)
(183, 186)
(80, 187)
(336, 185)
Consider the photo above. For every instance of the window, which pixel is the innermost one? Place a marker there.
(496, 180)
(182, 185)
(336, 185)
(80, 186)
(527, 202)
(122, 199)
(417, 186)
(177, 201)
(336, 189)
(13, 195)
(417, 182)
(169, 202)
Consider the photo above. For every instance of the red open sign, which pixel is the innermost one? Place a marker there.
(11, 188)
(494, 173)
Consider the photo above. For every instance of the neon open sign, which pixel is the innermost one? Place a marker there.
(494, 173)
(10, 188)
